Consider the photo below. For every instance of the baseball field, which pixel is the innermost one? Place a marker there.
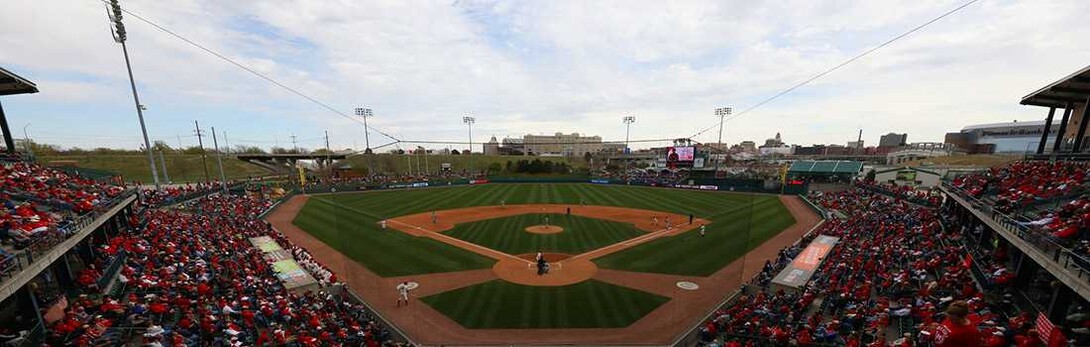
(615, 255)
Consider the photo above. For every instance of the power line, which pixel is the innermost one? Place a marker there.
(247, 69)
(407, 142)
(837, 67)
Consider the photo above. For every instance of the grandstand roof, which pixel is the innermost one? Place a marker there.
(10, 84)
(1075, 88)
(826, 167)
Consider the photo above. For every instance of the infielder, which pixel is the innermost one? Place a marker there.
(434, 219)
(403, 293)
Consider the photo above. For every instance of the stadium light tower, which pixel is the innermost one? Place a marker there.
(365, 113)
(628, 120)
(113, 10)
(722, 112)
(469, 120)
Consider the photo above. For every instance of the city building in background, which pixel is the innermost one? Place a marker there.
(1010, 137)
(775, 147)
(893, 140)
(559, 144)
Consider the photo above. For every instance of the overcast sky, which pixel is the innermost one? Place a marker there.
(533, 67)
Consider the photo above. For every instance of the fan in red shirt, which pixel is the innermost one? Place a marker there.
(957, 330)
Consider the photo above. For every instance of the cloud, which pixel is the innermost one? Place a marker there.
(543, 67)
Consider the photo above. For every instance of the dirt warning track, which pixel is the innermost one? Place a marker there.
(429, 327)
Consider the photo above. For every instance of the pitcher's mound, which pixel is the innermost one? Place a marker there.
(544, 229)
(563, 271)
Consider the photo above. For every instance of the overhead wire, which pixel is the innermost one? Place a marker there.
(834, 68)
(248, 69)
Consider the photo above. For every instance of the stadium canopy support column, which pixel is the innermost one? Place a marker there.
(1082, 126)
(1061, 300)
(1063, 128)
(1024, 271)
(26, 303)
(8, 141)
(1044, 135)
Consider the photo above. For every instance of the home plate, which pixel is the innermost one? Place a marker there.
(686, 285)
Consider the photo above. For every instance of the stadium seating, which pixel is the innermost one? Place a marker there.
(39, 202)
(1018, 184)
(178, 193)
(888, 282)
(190, 278)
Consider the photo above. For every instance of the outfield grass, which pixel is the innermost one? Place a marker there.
(580, 234)
(388, 253)
(735, 218)
(504, 305)
(693, 255)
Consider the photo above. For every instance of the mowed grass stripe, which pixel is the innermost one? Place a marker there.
(723, 243)
(508, 235)
(385, 252)
(729, 237)
(590, 304)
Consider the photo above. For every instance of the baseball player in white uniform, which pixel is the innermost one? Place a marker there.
(382, 223)
(403, 293)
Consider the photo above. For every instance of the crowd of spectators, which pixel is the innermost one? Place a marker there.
(191, 278)
(1020, 183)
(384, 179)
(169, 194)
(896, 278)
(931, 197)
(656, 177)
(1023, 189)
(36, 205)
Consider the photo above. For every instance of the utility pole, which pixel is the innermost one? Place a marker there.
(427, 168)
(166, 177)
(119, 34)
(628, 120)
(469, 120)
(328, 155)
(722, 112)
(26, 142)
(226, 145)
(219, 160)
(204, 158)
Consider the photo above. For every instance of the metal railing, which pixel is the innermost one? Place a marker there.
(44, 241)
(692, 336)
(1074, 264)
(893, 194)
(110, 272)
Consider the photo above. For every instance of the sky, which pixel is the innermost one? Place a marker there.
(532, 67)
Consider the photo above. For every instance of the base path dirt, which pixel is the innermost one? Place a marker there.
(427, 326)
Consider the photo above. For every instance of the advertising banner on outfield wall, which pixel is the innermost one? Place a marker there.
(699, 187)
(799, 271)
